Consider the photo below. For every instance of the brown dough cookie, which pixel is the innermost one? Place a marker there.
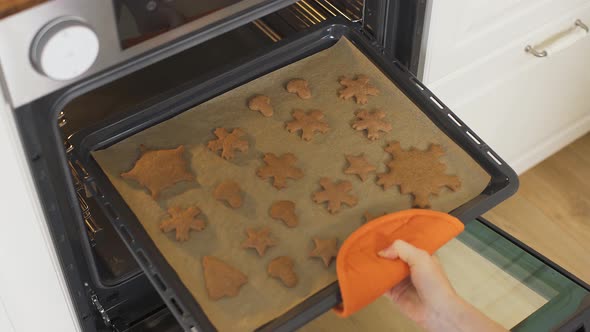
(259, 239)
(230, 192)
(308, 123)
(282, 268)
(417, 172)
(326, 249)
(261, 104)
(280, 169)
(183, 221)
(335, 194)
(160, 169)
(358, 88)
(359, 165)
(373, 122)
(284, 211)
(300, 87)
(222, 279)
(228, 143)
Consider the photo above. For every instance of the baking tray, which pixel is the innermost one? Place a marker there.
(503, 180)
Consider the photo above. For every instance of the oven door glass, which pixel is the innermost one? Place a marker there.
(141, 20)
(506, 283)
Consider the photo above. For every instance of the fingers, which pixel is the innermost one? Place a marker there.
(389, 253)
(406, 252)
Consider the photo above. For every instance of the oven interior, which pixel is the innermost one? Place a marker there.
(108, 286)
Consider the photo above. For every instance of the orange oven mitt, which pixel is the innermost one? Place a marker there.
(363, 276)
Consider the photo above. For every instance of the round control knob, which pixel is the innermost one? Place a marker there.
(64, 49)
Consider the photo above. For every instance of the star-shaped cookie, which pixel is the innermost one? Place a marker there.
(160, 169)
(358, 165)
(326, 249)
(259, 239)
(183, 221)
(280, 169)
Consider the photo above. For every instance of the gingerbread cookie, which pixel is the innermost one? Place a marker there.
(280, 169)
(358, 88)
(221, 279)
(261, 104)
(228, 143)
(229, 192)
(373, 122)
(416, 172)
(308, 123)
(160, 169)
(335, 194)
(282, 268)
(300, 87)
(326, 249)
(358, 165)
(284, 211)
(259, 239)
(183, 221)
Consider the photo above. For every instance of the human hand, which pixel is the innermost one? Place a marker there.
(427, 296)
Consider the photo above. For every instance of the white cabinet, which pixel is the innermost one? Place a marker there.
(524, 107)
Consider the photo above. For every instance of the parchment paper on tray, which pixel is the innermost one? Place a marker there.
(263, 298)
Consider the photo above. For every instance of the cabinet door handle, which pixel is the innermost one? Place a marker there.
(560, 41)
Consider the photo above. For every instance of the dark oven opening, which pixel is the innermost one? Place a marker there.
(108, 287)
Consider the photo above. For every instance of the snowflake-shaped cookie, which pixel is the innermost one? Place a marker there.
(308, 123)
(280, 169)
(358, 88)
(335, 194)
(183, 221)
(417, 172)
(228, 142)
(373, 122)
(159, 169)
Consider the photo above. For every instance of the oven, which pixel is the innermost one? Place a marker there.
(79, 69)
